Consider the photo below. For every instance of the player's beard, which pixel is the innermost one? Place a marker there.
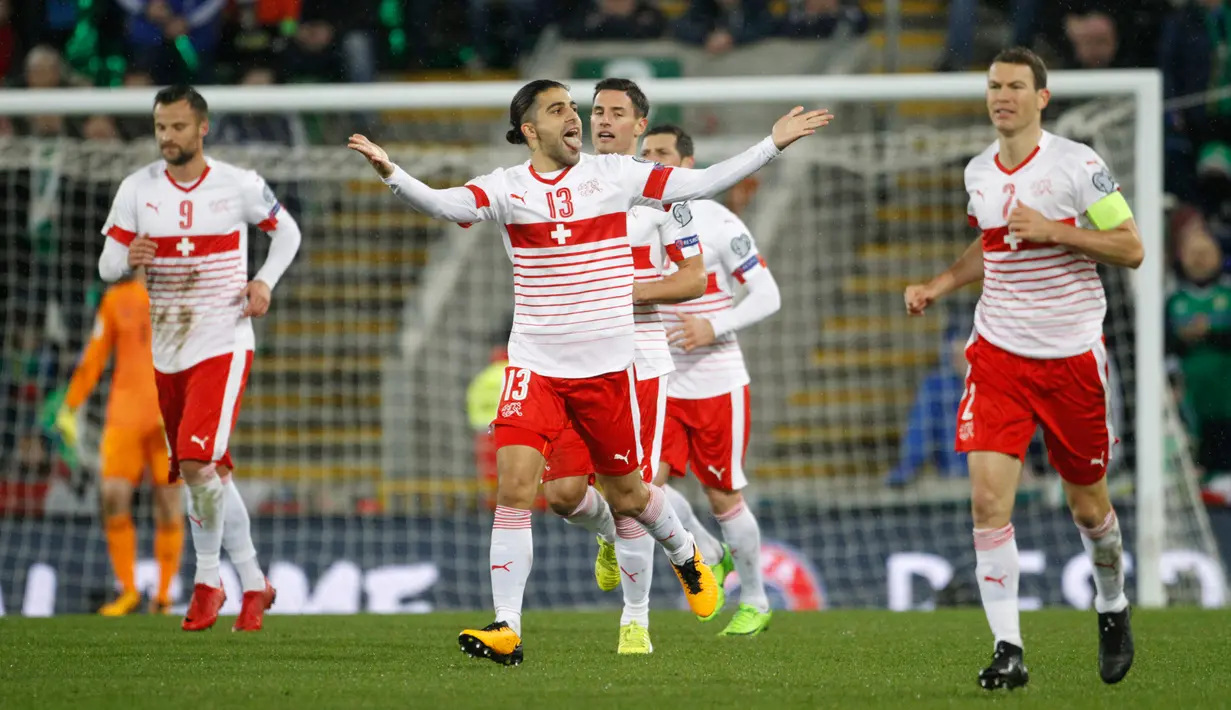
(560, 153)
(180, 156)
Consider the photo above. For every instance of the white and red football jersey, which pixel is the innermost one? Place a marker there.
(1039, 300)
(730, 255)
(201, 266)
(659, 238)
(567, 236)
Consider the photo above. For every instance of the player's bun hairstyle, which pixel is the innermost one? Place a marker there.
(183, 92)
(683, 141)
(641, 104)
(523, 103)
(1024, 57)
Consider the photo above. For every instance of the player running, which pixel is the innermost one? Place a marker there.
(563, 217)
(626, 553)
(1049, 211)
(191, 213)
(708, 404)
(132, 443)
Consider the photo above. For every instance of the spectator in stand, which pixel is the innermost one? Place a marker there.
(283, 129)
(1199, 334)
(821, 19)
(963, 21)
(174, 40)
(522, 22)
(1095, 41)
(617, 20)
(134, 128)
(8, 39)
(334, 41)
(1195, 57)
(722, 25)
(44, 69)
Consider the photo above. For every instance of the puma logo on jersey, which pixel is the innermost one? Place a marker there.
(717, 471)
(198, 441)
(152, 206)
(521, 197)
(622, 457)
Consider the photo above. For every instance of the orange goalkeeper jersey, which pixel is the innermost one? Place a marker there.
(122, 324)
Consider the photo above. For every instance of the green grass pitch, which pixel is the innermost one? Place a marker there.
(834, 659)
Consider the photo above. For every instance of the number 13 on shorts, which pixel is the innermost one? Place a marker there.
(516, 387)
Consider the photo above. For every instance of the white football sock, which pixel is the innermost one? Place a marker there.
(634, 550)
(1106, 549)
(237, 539)
(998, 570)
(743, 535)
(593, 514)
(710, 547)
(206, 513)
(512, 553)
(660, 521)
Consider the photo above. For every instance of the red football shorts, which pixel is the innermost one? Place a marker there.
(570, 457)
(1007, 396)
(536, 410)
(200, 406)
(711, 435)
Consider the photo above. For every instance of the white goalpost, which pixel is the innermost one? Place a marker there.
(358, 396)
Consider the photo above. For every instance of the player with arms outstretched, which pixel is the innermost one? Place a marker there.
(618, 116)
(709, 413)
(185, 219)
(563, 217)
(132, 443)
(1049, 211)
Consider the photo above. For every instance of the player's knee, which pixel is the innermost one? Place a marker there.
(564, 497)
(1089, 505)
(117, 498)
(627, 495)
(723, 502)
(989, 507)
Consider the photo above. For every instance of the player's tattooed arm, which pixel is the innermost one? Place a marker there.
(966, 270)
(454, 204)
(685, 284)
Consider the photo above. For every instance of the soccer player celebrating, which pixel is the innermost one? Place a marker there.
(132, 442)
(626, 553)
(1049, 211)
(201, 304)
(708, 402)
(563, 217)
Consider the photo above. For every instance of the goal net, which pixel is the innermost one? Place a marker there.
(361, 449)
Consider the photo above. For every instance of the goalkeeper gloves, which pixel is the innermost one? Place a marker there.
(66, 424)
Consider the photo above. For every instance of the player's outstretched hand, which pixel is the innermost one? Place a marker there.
(918, 298)
(256, 295)
(374, 153)
(66, 424)
(799, 123)
(692, 333)
(141, 251)
(1030, 224)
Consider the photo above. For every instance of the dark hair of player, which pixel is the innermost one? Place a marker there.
(641, 104)
(1025, 57)
(683, 141)
(523, 103)
(183, 92)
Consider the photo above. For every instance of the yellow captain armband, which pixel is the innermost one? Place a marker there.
(1109, 212)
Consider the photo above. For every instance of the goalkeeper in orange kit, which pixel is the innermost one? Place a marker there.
(132, 442)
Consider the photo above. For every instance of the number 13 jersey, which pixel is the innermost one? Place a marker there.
(567, 236)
